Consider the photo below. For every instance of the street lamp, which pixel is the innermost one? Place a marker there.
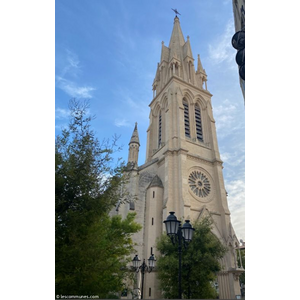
(176, 232)
(143, 267)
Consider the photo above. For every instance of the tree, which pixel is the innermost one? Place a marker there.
(90, 246)
(200, 263)
(96, 264)
(242, 253)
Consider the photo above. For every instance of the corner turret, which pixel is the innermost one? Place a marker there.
(134, 146)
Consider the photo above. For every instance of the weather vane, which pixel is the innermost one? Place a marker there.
(176, 11)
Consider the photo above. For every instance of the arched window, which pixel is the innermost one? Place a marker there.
(131, 205)
(186, 118)
(177, 69)
(159, 129)
(198, 123)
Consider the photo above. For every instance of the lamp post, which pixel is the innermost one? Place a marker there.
(143, 267)
(176, 232)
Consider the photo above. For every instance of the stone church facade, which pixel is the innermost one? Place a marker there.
(183, 168)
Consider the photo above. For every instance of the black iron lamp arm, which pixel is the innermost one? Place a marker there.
(144, 268)
(175, 239)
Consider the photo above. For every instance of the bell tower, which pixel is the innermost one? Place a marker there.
(183, 168)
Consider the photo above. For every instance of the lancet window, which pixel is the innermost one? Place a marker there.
(198, 123)
(159, 129)
(186, 118)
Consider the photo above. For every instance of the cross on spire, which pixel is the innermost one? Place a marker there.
(176, 11)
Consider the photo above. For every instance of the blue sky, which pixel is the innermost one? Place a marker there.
(107, 52)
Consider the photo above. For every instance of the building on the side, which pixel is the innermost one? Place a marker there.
(183, 168)
(239, 24)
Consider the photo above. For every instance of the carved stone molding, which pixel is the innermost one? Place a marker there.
(236, 273)
(199, 159)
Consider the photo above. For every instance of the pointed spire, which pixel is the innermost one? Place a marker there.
(177, 60)
(177, 36)
(201, 74)
(134, 146)
(187, 48)
(157, 73)
(165, 52)
(135, 136)
(199, 66)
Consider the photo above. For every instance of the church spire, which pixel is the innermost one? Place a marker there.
(177, 36)
(177, 61)
(134, 146)
(135, 136)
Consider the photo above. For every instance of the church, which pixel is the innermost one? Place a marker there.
(183, 169)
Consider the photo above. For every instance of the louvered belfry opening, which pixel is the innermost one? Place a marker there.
(186, 118)
(159, 130)
(198, 123)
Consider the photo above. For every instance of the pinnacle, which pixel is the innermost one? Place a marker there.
(135, 135)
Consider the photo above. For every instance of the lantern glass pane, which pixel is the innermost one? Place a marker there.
(174, 227)
(187, 233)
(184, 233)
(151, 262)
(171, 224)
(168, 227)
(135, 262)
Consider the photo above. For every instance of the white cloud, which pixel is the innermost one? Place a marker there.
(73, 59)
(69, 68)
(236, 189)
(72, 89)
(235, 158)
(225, 115)
(226, 106)
(61, 113)
(226, 156)
(221, 49)
(122, 123)
(68, 65)
(137, 107)
(236, 203)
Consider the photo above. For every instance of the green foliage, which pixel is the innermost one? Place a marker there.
(200, 262)
(85, 181)
(90, 247)
(95, 264)
(242, 276)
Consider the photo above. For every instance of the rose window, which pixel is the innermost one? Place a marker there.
(199, 184)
